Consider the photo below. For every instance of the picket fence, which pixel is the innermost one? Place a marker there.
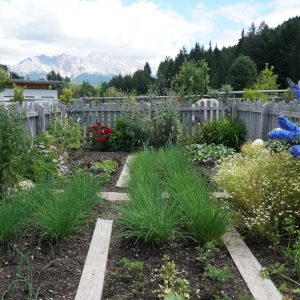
(259, 117)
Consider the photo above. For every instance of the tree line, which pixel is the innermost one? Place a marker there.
(260, 52)
(237, 65)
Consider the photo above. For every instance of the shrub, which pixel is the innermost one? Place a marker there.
(203, 153)
(165, 127)
(42, 162)
(98, 135)
(122, 137)
(14, 147)
(264, 186)
(63, 134)
(60, 208)
(14, 215)
(230, 133)
(138, 128)
(66, 96)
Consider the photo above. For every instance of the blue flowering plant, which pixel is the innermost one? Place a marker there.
(294, 88)
(288, 131)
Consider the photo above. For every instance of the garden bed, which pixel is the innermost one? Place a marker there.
(123, 283)
(281, 272)
(31, 268)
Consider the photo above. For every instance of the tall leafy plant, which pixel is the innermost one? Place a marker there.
(14, 147)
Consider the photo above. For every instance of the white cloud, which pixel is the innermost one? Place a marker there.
(241, 13)
(282, 11)
(142, 30)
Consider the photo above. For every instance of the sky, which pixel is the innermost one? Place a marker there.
(145, 30)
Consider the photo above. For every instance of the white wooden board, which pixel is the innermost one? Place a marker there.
(114, 197)
(249, 267)
(124, 177)
(92, 277)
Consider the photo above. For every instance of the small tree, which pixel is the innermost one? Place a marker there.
(4, 79)
(66, 96)
(18, 94)
(266, 80)
(242, 73)
(193, 78)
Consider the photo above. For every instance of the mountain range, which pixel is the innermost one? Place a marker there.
(94, 67)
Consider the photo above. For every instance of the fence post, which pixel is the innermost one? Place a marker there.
(233, 110)
(264, 121)
(41, 118)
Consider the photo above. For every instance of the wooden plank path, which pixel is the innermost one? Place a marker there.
(249, 267)
(92, 277)
(124, 177)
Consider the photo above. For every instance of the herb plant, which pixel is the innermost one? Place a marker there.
(204, 153)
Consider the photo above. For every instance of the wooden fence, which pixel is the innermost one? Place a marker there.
(259, 117)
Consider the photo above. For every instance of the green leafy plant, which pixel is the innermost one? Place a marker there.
(280, 145)
(173, 286)
(63, 133)
(122, 137)
(4, 79)
(208, 153)
(42, 162)
(106, 168)
(14, 147)
(193, 78)
(266, 80)
(165, 126)
(207, 252)
(18, 94)
(217, 274)
(66, 96)
(23, 276)
(135, 266)
(230, 133)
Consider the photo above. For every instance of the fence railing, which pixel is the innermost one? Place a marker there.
(259, 117)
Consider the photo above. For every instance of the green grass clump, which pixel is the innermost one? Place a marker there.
(60, 208)
(201, 216)
(148, 216)
(14, 216)
(167, 196)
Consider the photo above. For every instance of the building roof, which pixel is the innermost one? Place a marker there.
(42, 82)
